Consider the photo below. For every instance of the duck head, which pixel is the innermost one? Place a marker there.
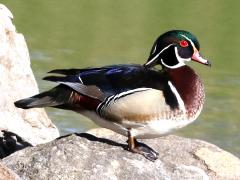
(173, 48)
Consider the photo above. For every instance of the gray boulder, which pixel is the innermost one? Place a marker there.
(86, 156)
(17, 81)
(7, 174)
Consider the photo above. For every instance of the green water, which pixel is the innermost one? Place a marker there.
(66, 34)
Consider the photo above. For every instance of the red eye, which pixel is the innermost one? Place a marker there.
(183, 43)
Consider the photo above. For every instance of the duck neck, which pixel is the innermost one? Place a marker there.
(190, 88)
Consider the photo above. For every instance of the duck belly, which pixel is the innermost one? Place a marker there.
(144, 130)
(158, 128)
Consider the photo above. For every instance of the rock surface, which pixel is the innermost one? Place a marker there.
(85, 156)
(7, 174)
(16, 82)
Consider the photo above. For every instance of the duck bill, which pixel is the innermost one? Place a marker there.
(198, 58)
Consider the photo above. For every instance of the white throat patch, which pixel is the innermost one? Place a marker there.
(180, 61)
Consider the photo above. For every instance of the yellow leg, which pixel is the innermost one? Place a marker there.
(131, 141)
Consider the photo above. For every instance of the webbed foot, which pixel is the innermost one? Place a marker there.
(140, 148)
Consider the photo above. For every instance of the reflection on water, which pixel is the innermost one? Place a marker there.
(94, 33)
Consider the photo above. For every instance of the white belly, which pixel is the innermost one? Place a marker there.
(157, 128)
(152, 129)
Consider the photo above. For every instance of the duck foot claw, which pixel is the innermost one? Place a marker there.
(140, 148)
(145, 150)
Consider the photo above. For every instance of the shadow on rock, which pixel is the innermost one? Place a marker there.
(10, 143)
(91, 137)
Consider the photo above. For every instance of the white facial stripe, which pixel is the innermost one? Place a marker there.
(189, 41)
(155, 47)
(155, 57)
(179, 99)
(180, 59)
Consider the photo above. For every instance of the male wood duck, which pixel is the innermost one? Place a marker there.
(137, 101)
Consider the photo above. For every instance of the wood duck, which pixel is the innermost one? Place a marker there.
(137, 101)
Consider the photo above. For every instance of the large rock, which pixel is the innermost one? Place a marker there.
(7, 174)
(16, 82)
(85, 156)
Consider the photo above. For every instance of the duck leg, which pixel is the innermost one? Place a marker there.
(140, 148)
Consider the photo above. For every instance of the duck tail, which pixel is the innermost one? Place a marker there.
(53, 97)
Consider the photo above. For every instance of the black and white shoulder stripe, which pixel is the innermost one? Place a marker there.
(113, 98)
